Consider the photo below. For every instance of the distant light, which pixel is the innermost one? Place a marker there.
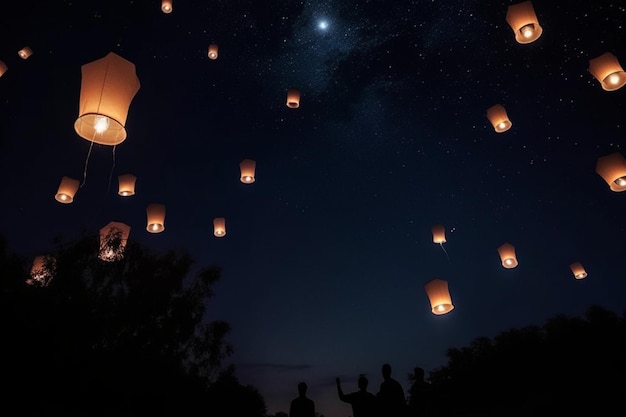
(501, 125)
(528, 31)
(323, 24)
(508, 261)
(613, 79)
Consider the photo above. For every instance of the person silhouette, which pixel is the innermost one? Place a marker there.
(421, 395)
(391, 399)
(363, 402)
(302, 406)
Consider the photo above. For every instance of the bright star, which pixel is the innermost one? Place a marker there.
(322, 24)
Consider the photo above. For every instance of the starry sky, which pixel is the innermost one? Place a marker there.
(327, 252)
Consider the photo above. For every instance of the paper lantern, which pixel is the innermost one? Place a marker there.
(156, 218)
(3, 68)
(439, 296)
(42, 271)
(608, 71)
(498, 118)
(212, 51)
(293, 98)
(247, 168)
(166, 6)
(67, 190)
(113, 238)
(126, 184)
(612, 168)
(523, 20)
(219, 227)
(507, 255)
(107, 88)
(25, 52)
(578, 270)
(439, 234)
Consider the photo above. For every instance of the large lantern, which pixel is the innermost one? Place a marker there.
(578, 270)
(25, 52)
(166, 6)
(523, 20)
(108, 86)
(499, 119)
(113, 238)
(612, 168)
(507, 255)
(156, 218)
(439, 296)
(219, 227)
(42, 271)
(608, 71)
(439, 234)
(247, 168)
(293, 98)
(126, 184)
(212, 51)
(3, 68)
(67, 189)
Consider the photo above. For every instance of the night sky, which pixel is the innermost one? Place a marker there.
(326, 254)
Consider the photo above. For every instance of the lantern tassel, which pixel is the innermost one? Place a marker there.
(86, 162)
(111, 172)
(445, 251)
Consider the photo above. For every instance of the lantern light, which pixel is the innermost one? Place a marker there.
(523, 20)
(113, 238)
(247, 168)
(3, 68)
(42, 271)
(578, 270)
(219, 227)
(25, 52)
(166, 6)
(108, 86)
(212, 51)
(499, 119)
(439, 234)
(612, 168)
(439, 296)
(67, 189)
(293, 98)
(507, 255)
(126, 184)
(606, 69)
(156, 218)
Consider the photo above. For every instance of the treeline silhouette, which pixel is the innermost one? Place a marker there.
(131, 337)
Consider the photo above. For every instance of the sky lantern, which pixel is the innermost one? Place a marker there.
(293, 98)
(608, 71)
(113, 238)
(67, 189)
(107, 87)
(156, 218)
(166, 6)
(523, 20)
(42, 271)
(507, 255)
(439, 296)
(126, 184)
(612, 168)
(578, 270)
(212, 51)
(219, 227)
(498, 118)
(25, 52)
(247, 168)
(3, 68)
(439, 234)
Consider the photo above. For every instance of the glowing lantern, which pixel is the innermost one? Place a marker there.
(166, 6)
(108, 86)
(126, 185)
(156, 218)
(612, 168)
(212, 51)
(293, 98)
(247, 167)
(3, 68)
(219, 227)
(578, 270)
(439, 234)
(113, 238)
(25, 52)
(507, 255)
(523, 20)
(498, 118)
(67, 189)
(439, 296)
(42, 271)
(608, 71)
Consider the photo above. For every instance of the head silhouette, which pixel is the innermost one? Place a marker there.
(419, 373)
(386, 371)
(362, 383)
(302, 388)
